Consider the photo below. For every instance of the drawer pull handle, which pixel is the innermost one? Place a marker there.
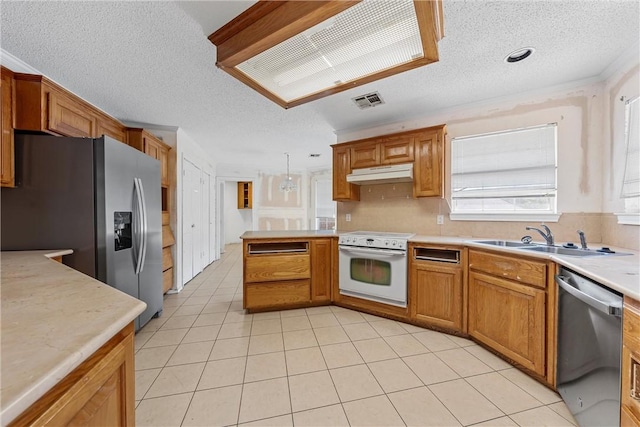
(635, 379)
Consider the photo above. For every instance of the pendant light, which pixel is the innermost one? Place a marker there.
(288, 185)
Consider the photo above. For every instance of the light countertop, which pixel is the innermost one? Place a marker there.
(53, 318)
(618, 272)
(287, 234)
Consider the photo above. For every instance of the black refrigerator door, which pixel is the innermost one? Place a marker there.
(52, 206)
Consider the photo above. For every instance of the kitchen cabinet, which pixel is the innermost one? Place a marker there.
(436, 286)
(428, 170)
(151, 145)
(7, 161)
(343, 190)
(507, 307)
(111, 128)
(43, 106)
(321, 270)
(286, 273)
(424, 148)
(365, 155)
(245, 195)
(101, 391)
(630, 393)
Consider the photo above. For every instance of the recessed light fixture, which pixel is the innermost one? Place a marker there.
(520, 54)
(294, 52)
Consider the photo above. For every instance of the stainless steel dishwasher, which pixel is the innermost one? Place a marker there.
(589, 347)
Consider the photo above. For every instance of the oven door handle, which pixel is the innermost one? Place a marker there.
(372, 251)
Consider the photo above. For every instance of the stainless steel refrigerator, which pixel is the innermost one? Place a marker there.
(100, 198)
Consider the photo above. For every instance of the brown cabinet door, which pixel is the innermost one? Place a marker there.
(157, 150)
(428, 171)
(100, 392)
(631, 360)
(365, 155)
(68, 118)
(436, 295)
(321, 270)
(151, 147)
(509, 318)
(397, 150)
(112, 129)
(6, 128)
(342, 190)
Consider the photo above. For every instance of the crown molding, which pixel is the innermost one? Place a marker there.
(16, 64)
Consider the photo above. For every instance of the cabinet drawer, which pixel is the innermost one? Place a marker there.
(167, 280)
(277, 293)
(522, 270)
(167, 259)
(268, 268)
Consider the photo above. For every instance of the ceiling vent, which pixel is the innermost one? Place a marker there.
(369, 100)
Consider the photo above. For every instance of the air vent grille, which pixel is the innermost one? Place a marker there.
(369, 100)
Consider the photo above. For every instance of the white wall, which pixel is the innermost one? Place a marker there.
(578, 111)
(236, 221)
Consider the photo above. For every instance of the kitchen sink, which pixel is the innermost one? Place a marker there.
(547, 249)
(569, 251)
(504, 243)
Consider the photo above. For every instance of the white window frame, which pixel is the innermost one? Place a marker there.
(551, 215)
(628, 189)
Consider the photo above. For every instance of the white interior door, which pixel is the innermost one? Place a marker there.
(191, 196)
(220, 219)
(206, 219)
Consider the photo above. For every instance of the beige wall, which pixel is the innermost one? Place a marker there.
(589, 162)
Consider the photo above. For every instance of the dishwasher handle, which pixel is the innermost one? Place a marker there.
(606, 308)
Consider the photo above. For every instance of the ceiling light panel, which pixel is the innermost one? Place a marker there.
(355, 45)
(364, 39)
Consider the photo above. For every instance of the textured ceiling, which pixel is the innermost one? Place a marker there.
(151, 62)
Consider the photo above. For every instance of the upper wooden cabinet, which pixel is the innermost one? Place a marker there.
(151, 145)
(423, 147)
(428, 170)
(342, 190)
(7, 159)
(365, 155)
(43, 106)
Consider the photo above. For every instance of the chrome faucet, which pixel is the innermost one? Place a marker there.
(548, 236)
(583, 240)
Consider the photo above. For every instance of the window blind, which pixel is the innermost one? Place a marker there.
(631, 180)
(507, 171)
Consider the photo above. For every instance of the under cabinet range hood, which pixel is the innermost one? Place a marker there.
(382, 174)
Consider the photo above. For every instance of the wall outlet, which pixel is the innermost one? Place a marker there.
(440, 219)
(348, 217)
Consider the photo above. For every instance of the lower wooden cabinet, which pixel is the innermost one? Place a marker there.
(630, 392)
(510, 318)
(100, 392)
(321, 270)
(437, 287)
(287, 273)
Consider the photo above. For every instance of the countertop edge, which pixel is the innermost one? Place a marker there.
(46, 380)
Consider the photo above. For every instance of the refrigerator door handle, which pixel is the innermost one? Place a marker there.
(140, 226)
(145, 228)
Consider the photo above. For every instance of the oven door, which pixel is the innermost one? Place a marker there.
(374, 274)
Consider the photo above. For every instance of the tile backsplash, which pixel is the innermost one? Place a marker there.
(390, 207)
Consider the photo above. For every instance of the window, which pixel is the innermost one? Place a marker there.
(631, 178)
(509, 175)
(325, 207)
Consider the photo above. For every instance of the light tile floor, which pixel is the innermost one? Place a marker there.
(205, 362)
